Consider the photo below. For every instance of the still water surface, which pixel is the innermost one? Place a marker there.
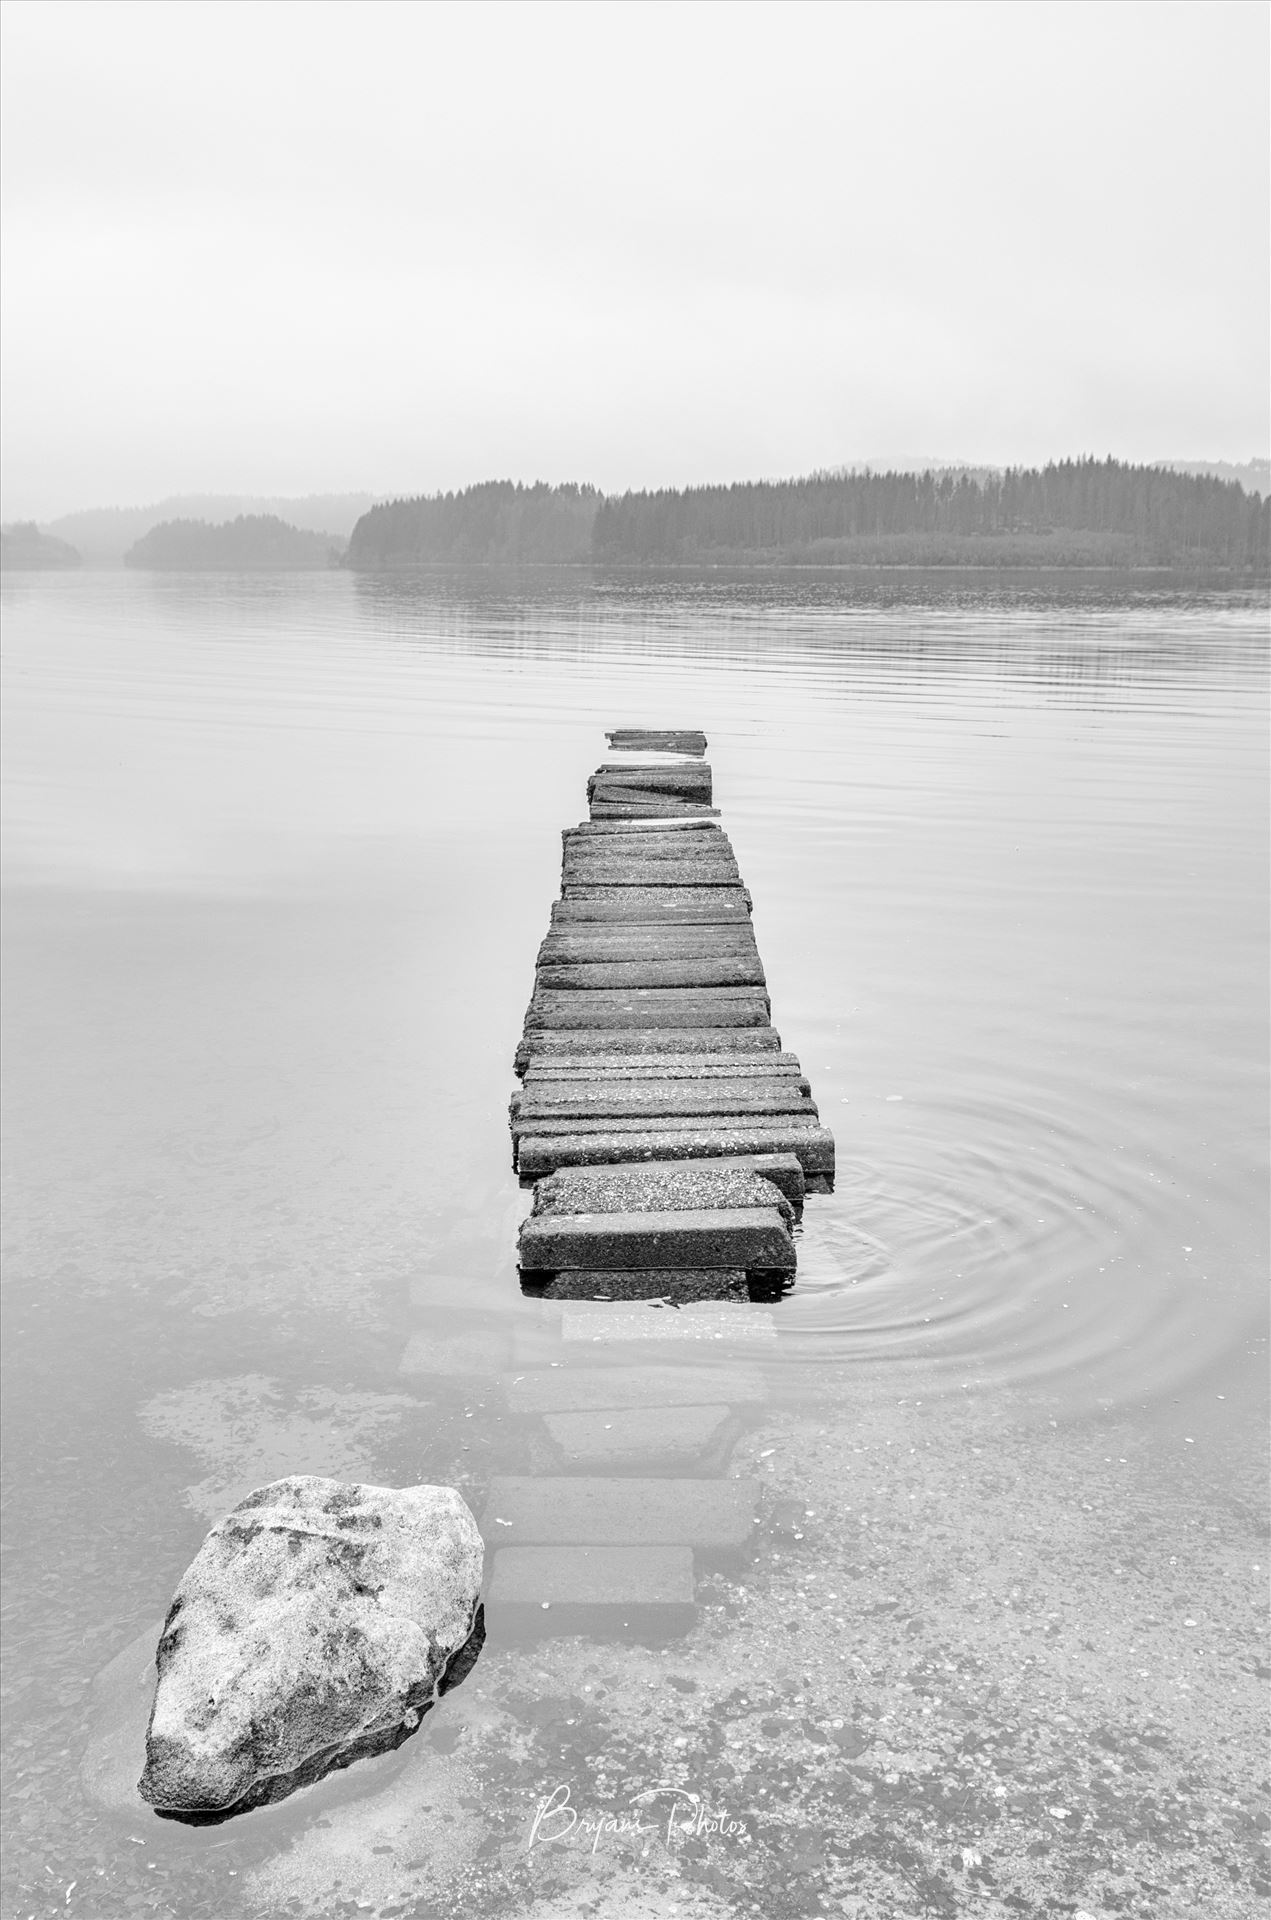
(279, 855)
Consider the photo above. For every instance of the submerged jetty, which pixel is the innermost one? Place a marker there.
(670, 1142)
(669, 1138)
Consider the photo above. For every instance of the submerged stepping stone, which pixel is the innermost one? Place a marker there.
(636, 739)
(541, 1148)
(586, 1389)
(725, 970)
(653, 906)
(666, 1436)
(644, 1592)
(569, 1511)
(603, 1096)
(649, 1006)
(653, 1188)
(757, 1238)
(652, 1283)
(463, 1354)
(711, 1320)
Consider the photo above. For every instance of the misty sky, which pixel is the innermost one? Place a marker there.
(282, 248)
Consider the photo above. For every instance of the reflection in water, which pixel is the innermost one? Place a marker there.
(280, 855)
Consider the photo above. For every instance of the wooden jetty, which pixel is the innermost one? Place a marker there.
(669, 1138)
(670, 1141)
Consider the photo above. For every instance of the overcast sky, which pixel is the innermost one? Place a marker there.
(308, 246)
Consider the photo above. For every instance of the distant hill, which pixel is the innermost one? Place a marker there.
(23, 545)
(1253, 475)
(1102, 513)
(499, 522)
(104, 534)
(252, 541)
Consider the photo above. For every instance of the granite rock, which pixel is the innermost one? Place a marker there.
(317, 1624)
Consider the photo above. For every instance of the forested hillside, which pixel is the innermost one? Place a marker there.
(253, 540)
(499, 521)
(1074, 511)
(23, 545)
(1071, 513)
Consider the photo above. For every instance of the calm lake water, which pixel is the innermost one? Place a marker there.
(280, 851)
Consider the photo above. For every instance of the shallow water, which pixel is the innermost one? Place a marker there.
(279, 855)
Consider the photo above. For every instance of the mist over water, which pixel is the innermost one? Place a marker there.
(280, 853)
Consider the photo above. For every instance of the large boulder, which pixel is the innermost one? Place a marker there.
(317, 1624)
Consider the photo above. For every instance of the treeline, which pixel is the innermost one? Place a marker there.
(253, 540)
(1086, 509)
(499, 522)
(1071, 513)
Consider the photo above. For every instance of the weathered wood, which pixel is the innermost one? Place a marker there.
(683, 836)
(626, 809)
(646, 847)
(668, 1067)
(584, 1044)
(656, 1099)
(632, 1189)
(667, 740)
(587, 945)
(670, 1123)
(695, 820)
(725, 970)
(650, 1007)
(678, 1285)
(749, 1237)
(782, 1170)
(543, 1146)
(682, 781)
(649, 873)
(653, 906)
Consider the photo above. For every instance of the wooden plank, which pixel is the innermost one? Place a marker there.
(669, 740)
(725, 970)
(589, 944)
(681, 781)
(631, 1189)
(678, 1285)
(683, 834)
(668, 1067)
(649, 1007)
(648, 873)
(703, 820)
(584, 1045)
(754, 1238)
(653, 906)
(542, 1147)
(657, 1099)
